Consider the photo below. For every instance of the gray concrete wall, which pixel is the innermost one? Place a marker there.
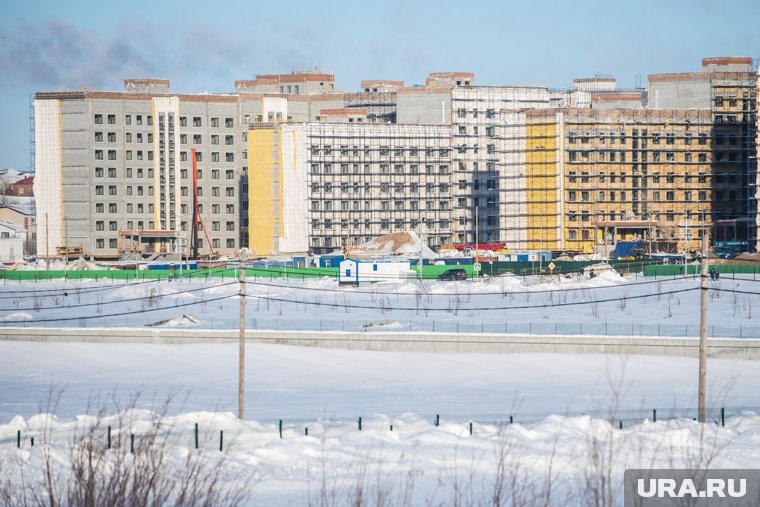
(687, 94)
(424, 108)
(748, 349)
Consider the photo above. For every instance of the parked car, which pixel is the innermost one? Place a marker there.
(453, 274)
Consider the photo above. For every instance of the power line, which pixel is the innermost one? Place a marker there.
(97, 303)
(349, 290)
(734, 291)
(89, 289)
(480, 308)
(88, 317)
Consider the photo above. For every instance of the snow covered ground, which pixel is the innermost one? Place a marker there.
(327, 391)
(566, 409)
(605, 305)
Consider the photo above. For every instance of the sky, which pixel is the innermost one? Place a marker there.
(205, 46)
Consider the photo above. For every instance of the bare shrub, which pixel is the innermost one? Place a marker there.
(85, 471)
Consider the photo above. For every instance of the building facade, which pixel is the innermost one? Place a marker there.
(321, 186)
(527, 166)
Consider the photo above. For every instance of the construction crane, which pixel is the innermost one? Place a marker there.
(197, 219)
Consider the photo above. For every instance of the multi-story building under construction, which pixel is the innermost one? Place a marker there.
(566, 170)
(320, 186)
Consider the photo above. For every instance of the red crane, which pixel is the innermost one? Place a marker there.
(197, 219)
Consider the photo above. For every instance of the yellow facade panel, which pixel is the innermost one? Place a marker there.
(261, 216)
(541, 182)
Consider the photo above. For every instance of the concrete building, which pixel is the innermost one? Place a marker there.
(596, 177)
(120, 161)
(726, 86)
(114, 168)
(21, 212)
(12, 240)
(487, 149)
(307, 82)
(319, 186)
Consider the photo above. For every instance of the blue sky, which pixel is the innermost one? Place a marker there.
(205, 46)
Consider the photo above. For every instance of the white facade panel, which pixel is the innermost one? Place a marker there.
(48, 175)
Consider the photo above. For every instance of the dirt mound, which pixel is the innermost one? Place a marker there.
(397, 243)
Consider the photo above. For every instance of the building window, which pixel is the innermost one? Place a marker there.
(229, 123)
(229, 157)
(98, 119)
(197, 121)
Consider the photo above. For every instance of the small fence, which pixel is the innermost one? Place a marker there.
(293, 428)
(426, 326)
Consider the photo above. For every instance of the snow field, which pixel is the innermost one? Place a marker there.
(606, 305)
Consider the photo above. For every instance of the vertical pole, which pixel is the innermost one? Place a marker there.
(47, 243)
(360, 424)
(241, 358)
(280, 428)
(654, 415)
(109, 437)
(703, 330)
(722, 416)
(437, 420)
(221, 441)
(18, 439)
(132, 443)
(470, 428)
(196, 435)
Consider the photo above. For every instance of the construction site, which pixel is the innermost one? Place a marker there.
(288, 165)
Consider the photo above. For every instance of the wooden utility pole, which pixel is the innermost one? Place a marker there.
(241, 357)
(703, 330)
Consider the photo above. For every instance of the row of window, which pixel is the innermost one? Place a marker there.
(462, 113)
(614, 156)
(585, 177)
(113, 207)
(654, 137)
(100, 243)
(670, 195)
(100, 172)
(216, 226)
(138, 137)
(140, 190)
(490, 148)
(327, 206)
(489, 131)
(111, 119)
(384, 224)
(329, 243)
(198, 139)
(383, 151)
(138, 155)
(413, 169)
(384, 187)
(197, 121)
